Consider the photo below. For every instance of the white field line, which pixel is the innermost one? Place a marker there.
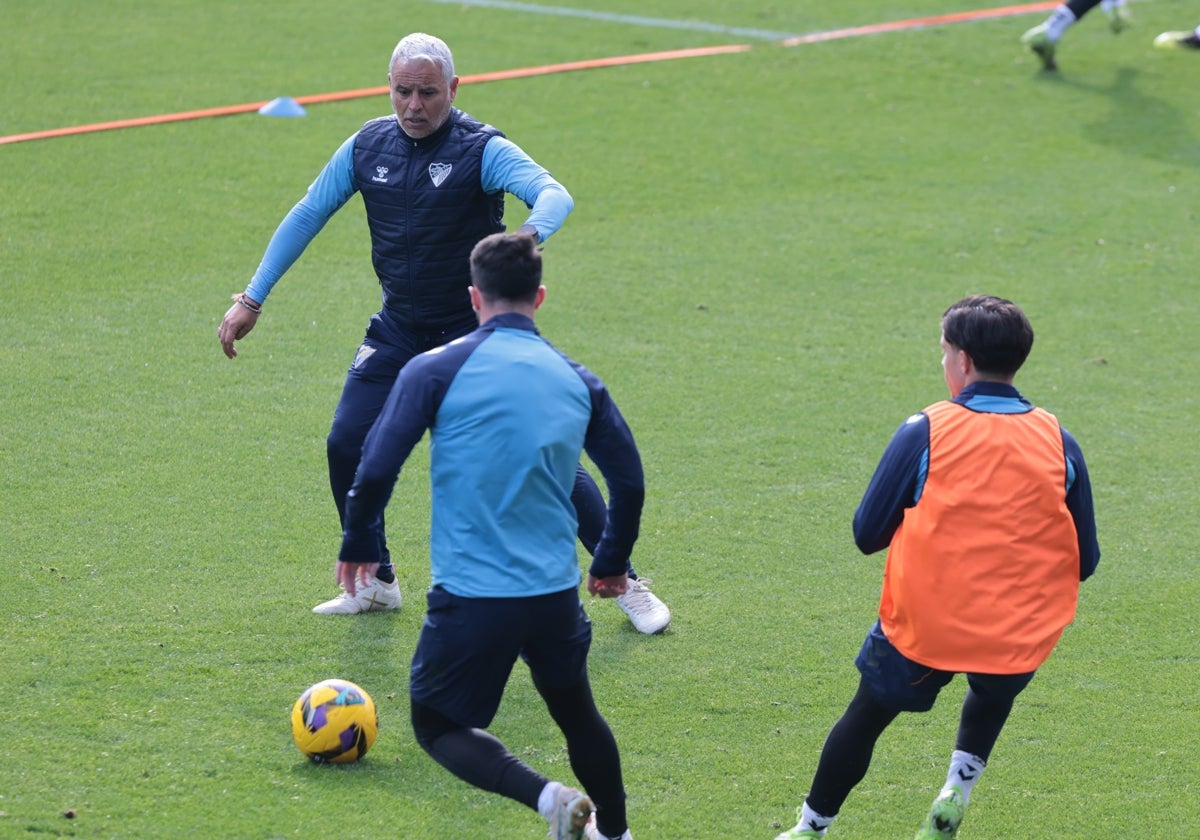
(632, 20)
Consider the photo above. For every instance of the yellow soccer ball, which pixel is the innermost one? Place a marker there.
(334, 721)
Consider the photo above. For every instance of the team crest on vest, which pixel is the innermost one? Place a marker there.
(380, 175)
(365, 351)
(438, 172)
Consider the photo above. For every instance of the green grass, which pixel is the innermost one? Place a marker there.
(762, 245)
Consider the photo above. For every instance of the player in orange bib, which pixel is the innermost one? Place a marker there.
(985, 507)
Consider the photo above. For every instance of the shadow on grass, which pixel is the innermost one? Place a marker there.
(1138, 122)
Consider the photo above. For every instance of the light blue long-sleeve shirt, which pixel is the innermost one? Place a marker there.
(505, 167)
(508, 416)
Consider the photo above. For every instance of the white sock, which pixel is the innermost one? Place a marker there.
(1109, 5)
(810, 819)
(965, 770)
(1059, 22)
(546, 799)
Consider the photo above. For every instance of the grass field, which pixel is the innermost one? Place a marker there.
(762, 246)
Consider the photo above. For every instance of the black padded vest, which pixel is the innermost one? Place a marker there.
(426, 210)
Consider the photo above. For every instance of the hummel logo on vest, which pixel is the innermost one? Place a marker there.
(438, 172)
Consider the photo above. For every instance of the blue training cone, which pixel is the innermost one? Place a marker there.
(282, 106)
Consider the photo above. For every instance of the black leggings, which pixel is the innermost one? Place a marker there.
(851, 743)
(481, 759)
(1079, 8)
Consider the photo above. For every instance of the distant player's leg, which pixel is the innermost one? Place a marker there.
(645, 610)
(1119, 17)
(1043, 39)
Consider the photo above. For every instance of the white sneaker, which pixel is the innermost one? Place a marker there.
(570, 816)
(590, 832)
(647, 613)
(376, 595)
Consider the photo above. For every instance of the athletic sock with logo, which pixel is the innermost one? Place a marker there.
(1058, 22)
(965, 770)
(811, 820)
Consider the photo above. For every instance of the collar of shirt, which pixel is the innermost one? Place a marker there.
(510, 320)
(992, 394)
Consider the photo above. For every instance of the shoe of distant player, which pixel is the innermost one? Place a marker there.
(1040, 44)
(1177, 41)
(800, 832)
(590, 832)
(571, 814)
(945, 816)
(1119, 18)
(376, 595)
(647, 613)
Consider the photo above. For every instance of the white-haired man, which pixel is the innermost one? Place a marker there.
(432, 180)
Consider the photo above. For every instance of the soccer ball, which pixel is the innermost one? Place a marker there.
(334, 721)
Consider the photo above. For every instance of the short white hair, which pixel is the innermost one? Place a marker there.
(421, 47)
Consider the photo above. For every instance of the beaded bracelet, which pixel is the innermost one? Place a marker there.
(241, 298)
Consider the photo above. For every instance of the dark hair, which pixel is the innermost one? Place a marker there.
(507, 267)
(993, 331)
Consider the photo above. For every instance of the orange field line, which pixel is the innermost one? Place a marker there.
(916, 23)
(523, 72)
(543, 70)
(499, 75)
